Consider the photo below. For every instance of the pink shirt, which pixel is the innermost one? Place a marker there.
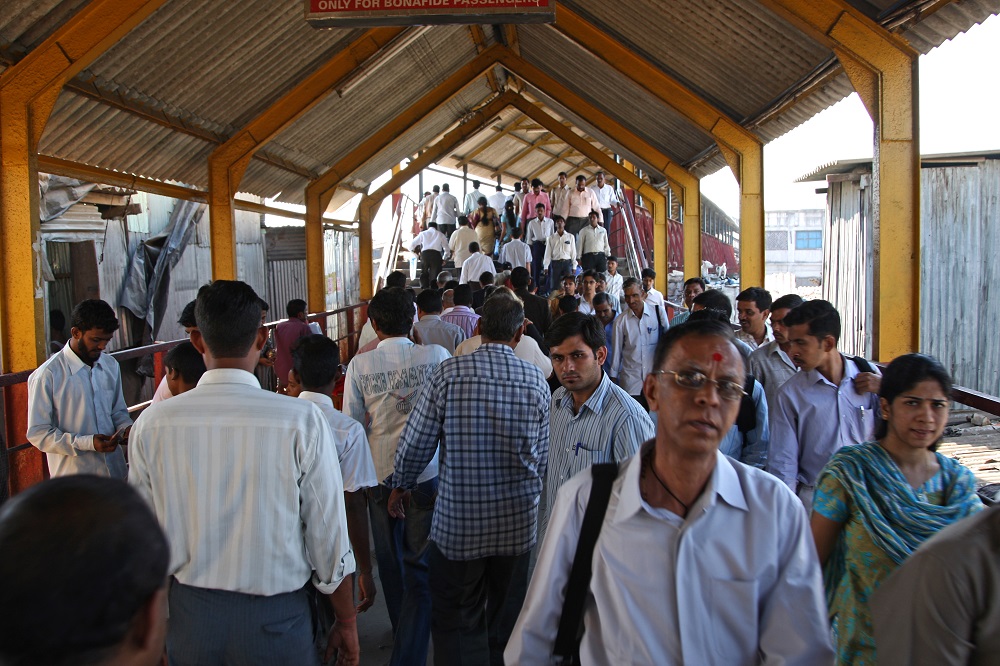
(285, 335)
(531, 200)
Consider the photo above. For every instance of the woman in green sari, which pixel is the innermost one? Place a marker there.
(876, 502)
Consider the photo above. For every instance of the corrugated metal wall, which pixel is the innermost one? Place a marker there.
(848, 262)
(959, 304)
(960, 274)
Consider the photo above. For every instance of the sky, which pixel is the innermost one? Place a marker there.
(958, 113)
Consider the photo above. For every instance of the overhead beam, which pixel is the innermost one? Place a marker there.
(882, 68)
(28, 93)
(743, 150)
(479, 120)
(521, 154)
(228, 163)
(479, 39)
(512, 126)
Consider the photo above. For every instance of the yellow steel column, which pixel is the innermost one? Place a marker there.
(28, 92)
(883, 69)
(691, 202)
(315, 259)
(749, 169)
(228, 162)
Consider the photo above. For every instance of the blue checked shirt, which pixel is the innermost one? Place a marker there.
(489, 411)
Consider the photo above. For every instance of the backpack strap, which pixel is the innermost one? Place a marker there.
(567, 645)
(863, 364)
(746, 420)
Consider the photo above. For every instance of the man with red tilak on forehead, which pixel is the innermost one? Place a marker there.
(728, 572)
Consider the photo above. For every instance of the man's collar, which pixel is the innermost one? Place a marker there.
(228, 376)
(430, 317)
(595, 402)
(321, 399)
(76, 363)
(496, 346)
(400, 341)
(463, 307)
(724, 483)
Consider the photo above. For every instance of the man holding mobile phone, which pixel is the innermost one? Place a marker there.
(77, 413)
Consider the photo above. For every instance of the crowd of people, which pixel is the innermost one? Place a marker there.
(575, 477)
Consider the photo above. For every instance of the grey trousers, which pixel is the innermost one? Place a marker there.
(210, 627)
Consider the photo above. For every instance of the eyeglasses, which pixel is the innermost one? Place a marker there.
(693, 380)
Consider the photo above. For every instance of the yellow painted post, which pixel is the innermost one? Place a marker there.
(315, 259)
(883, 69)
(28, 91)
(691, 202)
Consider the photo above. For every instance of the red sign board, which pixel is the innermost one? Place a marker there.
(354, 13)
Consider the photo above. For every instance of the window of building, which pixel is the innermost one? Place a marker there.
(808, 240)
(776, 240)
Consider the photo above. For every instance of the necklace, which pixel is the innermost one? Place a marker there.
(647, 463)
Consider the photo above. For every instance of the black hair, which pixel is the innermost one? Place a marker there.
(631, 282)
(709, 314)
(482, 201)
(904, 373)
(569, 304)
(581, 177)
(436, 188)
(295, 307)
(648, 273)
(503, 316)
(391, 309)
(517, 186)
(316, 359)
(80, 556)
(450, 284)
(759, 296)
(515, 232)
(696, 280)
(714, 299)
(822, 318)
(446, 187)
(432, 225)
(463, 221)
(186, 360)
(429, 301)
(700, 328)
(396, 279)
(589, 273)
(602, 297)
(486, 277)
(228, 315)
(264, 306)
(187, 318)
(475, 184)
(613, 258)
(787, 301)
(463, 294)
(536, 182)
(57, 319)
(93, 313)
(473, 247)
(539, 205)
(520, 277)
(568, 325)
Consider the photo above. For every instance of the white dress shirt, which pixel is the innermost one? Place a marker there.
(68, 403)
(246, 485)
(496, 201)
(471, 202)
(655, 297)
(560, 248)
(475, 266)
(614, 287)
(162, 391)
(356, 465)
(593, 239)
(605, 195)
(430, 239)
(634, 345)
(539, 230)
(527, 349)
(736, 582)
(459, 244)
(381, 387)
(445, 209)
(517, 253)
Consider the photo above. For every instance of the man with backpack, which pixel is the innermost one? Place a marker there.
(831, 402)
(679, 555)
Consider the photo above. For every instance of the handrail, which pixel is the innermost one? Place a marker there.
(632, 255)
(390, 252)
(637, 237)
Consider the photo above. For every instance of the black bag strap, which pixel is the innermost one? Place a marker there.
(863, 364)
(746, 419)
(567, 645)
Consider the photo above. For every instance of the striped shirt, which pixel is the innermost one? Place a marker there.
(381, 389)
(610, 426)
(771, 367)
(490, 413)
(464, 317)
(246, 485)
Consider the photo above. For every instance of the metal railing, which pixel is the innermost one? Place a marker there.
(635, 255)
(390, 253)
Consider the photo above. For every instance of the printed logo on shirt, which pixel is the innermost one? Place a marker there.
(393, 380)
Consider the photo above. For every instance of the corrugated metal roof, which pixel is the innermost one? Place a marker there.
(161, 99)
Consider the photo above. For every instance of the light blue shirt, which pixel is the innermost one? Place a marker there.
(752, 451)
(68, 403)
(610, 427)
(813, 419)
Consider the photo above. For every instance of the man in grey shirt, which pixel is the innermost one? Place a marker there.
(770, 363)
(430, 329)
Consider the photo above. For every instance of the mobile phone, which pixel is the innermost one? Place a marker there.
(119, 435)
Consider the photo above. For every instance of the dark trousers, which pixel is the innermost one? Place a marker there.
(474, 605)
(575, 224)
(597, 261)
(607, 214)
(537, 257)
(447, 229)
(220, 627)
(431, 262)
(556, 271)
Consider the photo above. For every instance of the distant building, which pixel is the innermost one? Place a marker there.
(793, 243)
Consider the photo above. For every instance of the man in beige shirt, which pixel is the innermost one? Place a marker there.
(559, 196)
(580, 202)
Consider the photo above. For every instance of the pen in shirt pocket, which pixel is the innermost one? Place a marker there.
(576, 449)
